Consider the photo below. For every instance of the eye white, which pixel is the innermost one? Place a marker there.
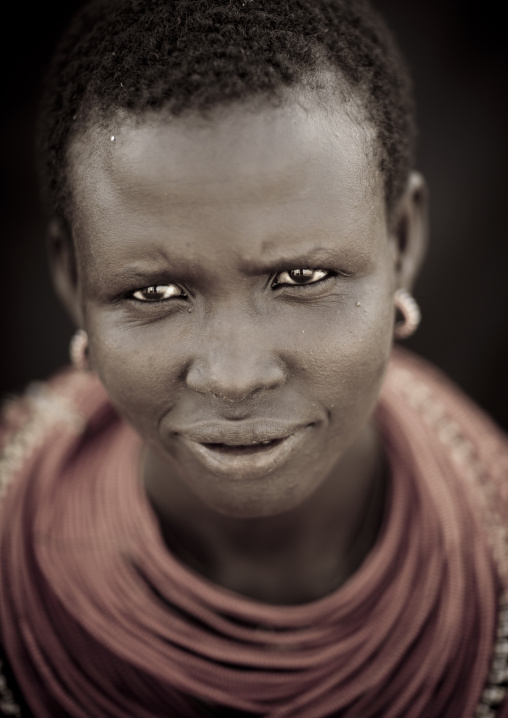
(157, 293)
(297, 277)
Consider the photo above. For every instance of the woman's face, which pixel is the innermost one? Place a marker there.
(236, 280)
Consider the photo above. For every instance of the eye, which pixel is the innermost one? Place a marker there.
(158, 293)
(295, 277)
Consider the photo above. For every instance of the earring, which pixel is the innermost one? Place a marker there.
(78, 349)
(410, 311)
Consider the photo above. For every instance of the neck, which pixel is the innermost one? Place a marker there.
(294, 557)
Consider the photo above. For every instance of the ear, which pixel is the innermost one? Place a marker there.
(63, 268)
(409, 231)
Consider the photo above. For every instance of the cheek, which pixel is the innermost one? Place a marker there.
(343, 350)
(140, 366)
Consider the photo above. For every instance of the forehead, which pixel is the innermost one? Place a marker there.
(295, 163)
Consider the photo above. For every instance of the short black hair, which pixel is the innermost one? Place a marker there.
(195, 55)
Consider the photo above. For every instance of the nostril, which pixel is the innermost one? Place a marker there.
(230, 394)
(234, 397)
(234, 381)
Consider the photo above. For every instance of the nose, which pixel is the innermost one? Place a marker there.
(236, 359)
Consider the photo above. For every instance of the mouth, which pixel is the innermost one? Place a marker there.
(235, 457)
(243, 449)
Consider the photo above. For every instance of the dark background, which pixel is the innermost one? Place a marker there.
(459, 57)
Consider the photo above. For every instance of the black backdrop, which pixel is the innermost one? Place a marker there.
(459, 57)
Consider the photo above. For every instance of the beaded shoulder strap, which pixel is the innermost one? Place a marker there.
(487, 485)
(42, 408)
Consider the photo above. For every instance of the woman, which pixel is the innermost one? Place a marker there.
(241, 501)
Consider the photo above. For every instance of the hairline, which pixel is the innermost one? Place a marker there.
(326, 89)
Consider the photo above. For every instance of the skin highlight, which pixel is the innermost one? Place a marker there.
(220, 216)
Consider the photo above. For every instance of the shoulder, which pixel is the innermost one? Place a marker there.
(427, 419)
(440, 405)
(48, 413)
(51, 399)
(50, 417)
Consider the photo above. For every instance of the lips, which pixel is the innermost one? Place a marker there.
(239, 433)
(243, 450)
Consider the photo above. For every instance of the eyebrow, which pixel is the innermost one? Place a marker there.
(174, 269)
(142, 278)
(313, 258)
(158, 267)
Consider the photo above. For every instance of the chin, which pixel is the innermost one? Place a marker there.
(257, 501)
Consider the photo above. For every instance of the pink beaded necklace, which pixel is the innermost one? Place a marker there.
(84, 573)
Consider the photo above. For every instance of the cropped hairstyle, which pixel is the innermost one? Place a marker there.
(184, 56)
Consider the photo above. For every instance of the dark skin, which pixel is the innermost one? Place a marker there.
(235, 276)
